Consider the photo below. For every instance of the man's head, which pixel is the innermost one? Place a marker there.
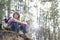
(16, 15)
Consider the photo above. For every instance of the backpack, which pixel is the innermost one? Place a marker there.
(6, 20)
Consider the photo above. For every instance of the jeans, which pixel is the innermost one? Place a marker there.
(16, 27)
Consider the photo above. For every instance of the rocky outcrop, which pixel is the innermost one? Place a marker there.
(8, 35)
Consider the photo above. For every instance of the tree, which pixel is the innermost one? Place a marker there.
(54, 17)
(2, 6)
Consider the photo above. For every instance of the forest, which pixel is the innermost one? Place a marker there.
(42, 17)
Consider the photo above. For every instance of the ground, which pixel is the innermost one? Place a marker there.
(9, 35)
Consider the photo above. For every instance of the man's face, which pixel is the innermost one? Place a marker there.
(16, 16)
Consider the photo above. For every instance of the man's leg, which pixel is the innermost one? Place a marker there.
(15, 27)
(23, 27)
(25, 32)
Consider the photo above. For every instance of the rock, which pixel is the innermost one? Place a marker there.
(9, 35)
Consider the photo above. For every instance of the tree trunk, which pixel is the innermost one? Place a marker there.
(8, 8)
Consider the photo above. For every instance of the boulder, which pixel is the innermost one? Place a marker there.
(9, 35)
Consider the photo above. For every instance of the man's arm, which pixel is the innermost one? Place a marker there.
(15, 20)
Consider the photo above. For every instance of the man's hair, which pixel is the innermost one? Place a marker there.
(17, 14)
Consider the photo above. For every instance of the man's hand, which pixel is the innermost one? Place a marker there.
(23, 23)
